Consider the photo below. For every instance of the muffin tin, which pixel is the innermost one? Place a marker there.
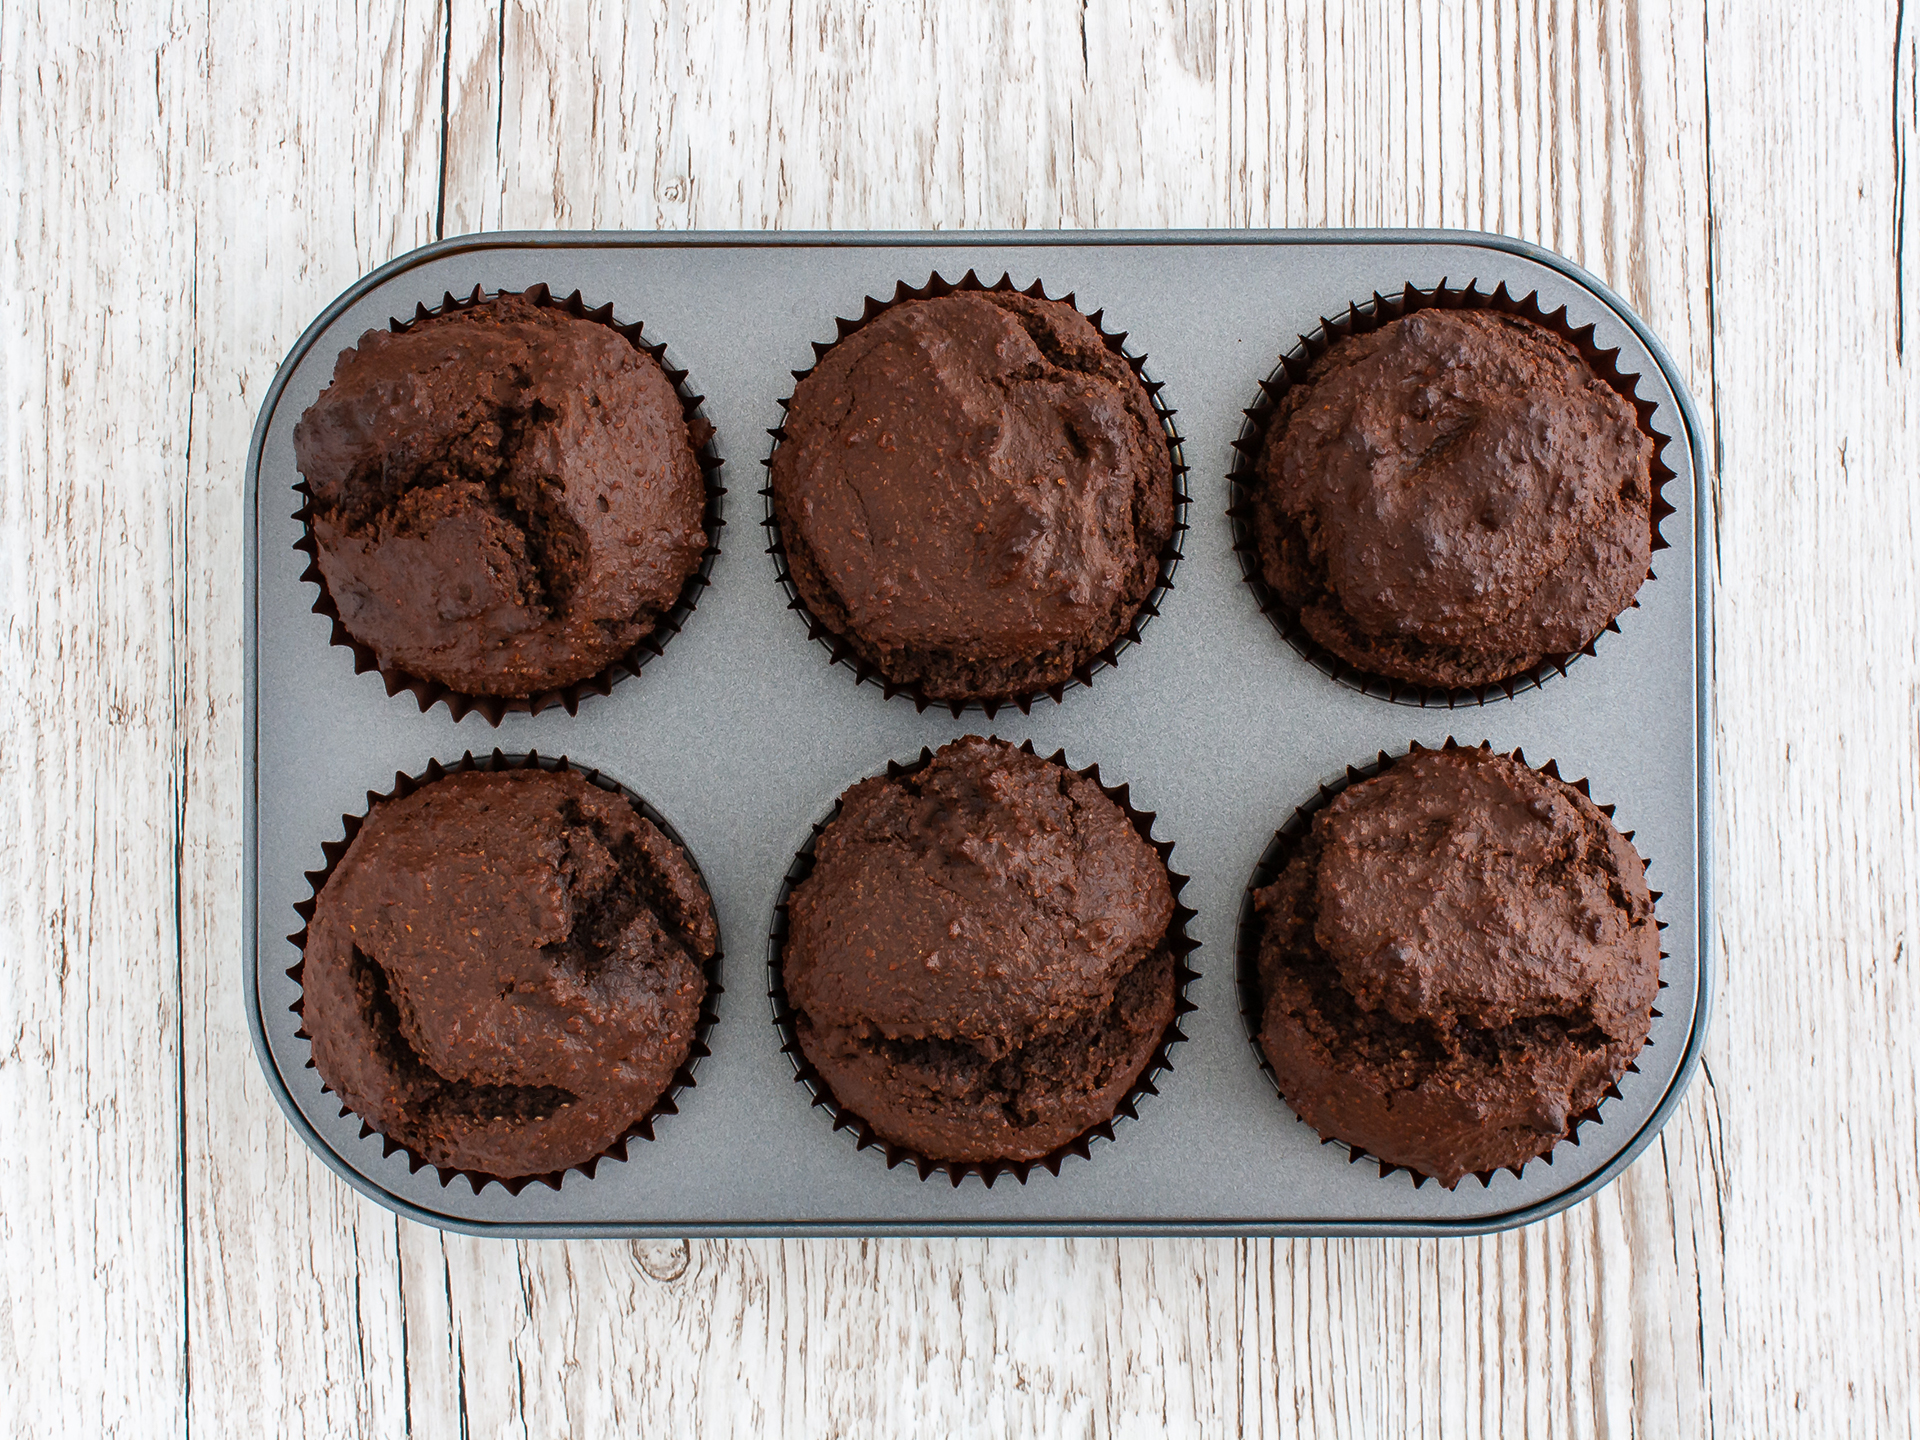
(743, 735)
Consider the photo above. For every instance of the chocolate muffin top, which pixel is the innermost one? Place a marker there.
(505, 498)
(504, 970)
(1453, 498)
(1459, 960)
(973, 493)
(978, 962)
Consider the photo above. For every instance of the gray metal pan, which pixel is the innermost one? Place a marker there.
(743, 735)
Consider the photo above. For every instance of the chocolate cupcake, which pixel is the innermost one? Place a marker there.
(504, 497)
(974, 495)
(1453, 498)
(982, 961)
(504, 971)
(1456, 964)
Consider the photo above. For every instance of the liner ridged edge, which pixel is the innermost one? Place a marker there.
(1365, 317)
(683, 1078)
(1178, 940)
(493, 708)
(1248, 933)
(839, 652)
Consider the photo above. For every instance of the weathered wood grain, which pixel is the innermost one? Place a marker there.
(315, 144)
(1819, 681)
(190, 185)
(99, 382)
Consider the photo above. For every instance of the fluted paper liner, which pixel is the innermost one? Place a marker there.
(1249, 932)
(683, 1075)
(838, 651)
(1177, 940)
(1364, 318)
(428, 693)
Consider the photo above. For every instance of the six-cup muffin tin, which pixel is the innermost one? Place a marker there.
(743, 733)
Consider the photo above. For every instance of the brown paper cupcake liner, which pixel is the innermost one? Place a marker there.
(1178, 940)
(683, 1076)
(1248, 934)
(1364, 318)
(428, 693)
(838, 651)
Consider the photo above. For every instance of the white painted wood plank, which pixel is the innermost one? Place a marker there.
(315, 143)
(1818, 672)
(97, 379)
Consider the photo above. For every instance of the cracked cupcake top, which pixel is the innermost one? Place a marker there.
(505, 498)
(973, 493)
(504, 970)
(990, 897)
(978, 963)
(1453, 498)
(1460, 959)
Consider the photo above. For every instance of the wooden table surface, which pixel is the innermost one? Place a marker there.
(189, 185)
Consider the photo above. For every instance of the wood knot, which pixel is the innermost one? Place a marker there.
(663, 1260)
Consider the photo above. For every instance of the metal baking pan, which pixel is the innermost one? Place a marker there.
(743, 735)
